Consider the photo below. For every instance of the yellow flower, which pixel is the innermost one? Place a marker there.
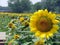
(21, 19)
(39, 42)
(11, 25)
(43, 23)
(16, 36)
(26, 23)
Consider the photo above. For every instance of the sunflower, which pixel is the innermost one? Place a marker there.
(26, 23)
(16, 36)
(21, 19)
(44, 23)
(41, 42)
(11, 25)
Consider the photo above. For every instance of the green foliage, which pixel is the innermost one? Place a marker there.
(27, 6)
(38, 6)
(19, 5)
(51, 5)
(3, 22)
(25, 36)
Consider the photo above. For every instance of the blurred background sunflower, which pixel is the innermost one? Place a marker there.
(41, 42)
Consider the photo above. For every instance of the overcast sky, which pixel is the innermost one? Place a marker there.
(4, 3)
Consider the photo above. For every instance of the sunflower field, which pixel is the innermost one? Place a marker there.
(38, 28)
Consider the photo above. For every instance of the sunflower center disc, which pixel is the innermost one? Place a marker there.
(44, 24)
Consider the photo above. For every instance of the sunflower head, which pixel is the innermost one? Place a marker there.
(21, 19)
(43, 23)
(11, 25)
(39, 43)
(16, 36)
(26, 23)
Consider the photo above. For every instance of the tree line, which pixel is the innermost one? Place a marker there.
(20, 6)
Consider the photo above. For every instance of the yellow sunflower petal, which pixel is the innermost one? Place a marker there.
(50, 34)
(33, 30)
(51, 15)
(55, 21)
(45, 12)
(47, 36)
(37, 34)
(56, 27)
(42, 36)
